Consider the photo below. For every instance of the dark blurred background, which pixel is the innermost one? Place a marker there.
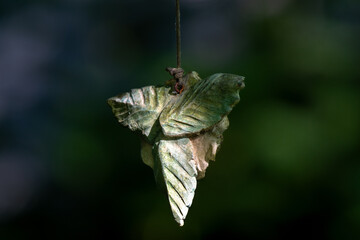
(289, 167)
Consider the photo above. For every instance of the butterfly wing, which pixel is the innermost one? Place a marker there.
(140, 108)
(175, 169)
(201, 106)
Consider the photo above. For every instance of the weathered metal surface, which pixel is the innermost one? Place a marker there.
(201, 106)
(181, 132)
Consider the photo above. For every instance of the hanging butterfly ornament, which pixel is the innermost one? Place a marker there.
(181, 126)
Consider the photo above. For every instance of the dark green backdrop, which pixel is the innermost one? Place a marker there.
(289, 167)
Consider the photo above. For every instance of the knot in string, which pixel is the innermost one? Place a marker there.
(177, 74)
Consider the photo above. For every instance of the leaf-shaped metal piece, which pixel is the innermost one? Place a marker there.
(140, 108)
(181, 133)
(202, 106)
(205, 146)
(175, 166)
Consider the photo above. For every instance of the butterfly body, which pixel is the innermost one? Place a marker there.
(182, 132)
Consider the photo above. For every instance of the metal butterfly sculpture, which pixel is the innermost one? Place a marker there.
(180, 132)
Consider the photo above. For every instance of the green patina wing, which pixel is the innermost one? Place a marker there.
(140, 108)
(202, 105)
(175, 168)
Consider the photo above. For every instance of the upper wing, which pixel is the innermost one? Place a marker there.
(140, 108)
(175, 168)
(202, 105)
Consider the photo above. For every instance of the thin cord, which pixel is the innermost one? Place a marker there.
(177, 72)
(178, 35)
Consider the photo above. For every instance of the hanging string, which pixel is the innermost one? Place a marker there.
(177, 72)
(178, 35)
